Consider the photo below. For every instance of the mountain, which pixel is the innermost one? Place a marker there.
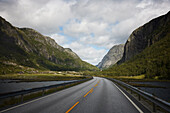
(145, 36)
(114, 55)
(27, 47)
(146, 51)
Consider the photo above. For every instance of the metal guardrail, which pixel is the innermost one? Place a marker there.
(27, 91)
(155, 100)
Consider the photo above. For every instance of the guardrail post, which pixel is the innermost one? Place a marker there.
(131, 91)
(43, 92)
(22, 98)
(155, 101)
(154, 107)
(126, 88)
(139, 97)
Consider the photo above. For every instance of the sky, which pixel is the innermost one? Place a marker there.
(89, 27)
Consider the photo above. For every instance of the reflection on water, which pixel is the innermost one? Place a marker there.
(163, 93)
(16, 85)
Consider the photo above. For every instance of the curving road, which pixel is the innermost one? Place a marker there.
(98, 95)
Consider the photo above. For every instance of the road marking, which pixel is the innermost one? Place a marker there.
(95, 85)
(28, 102)
(88, 92)
(72, 107)
(91, 90)
(129, 99)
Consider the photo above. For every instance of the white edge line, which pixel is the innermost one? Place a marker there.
(27, 102)
(129, 99)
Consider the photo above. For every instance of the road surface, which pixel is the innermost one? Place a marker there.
(98, 95)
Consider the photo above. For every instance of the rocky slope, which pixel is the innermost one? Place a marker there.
(145, 36)
(114, 55)
(146, 52)
(27, 47)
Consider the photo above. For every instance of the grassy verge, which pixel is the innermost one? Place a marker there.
(42, 77)
(145, 85)
(17, 100)
(140, 78)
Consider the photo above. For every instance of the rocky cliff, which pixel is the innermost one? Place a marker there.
(145, 36)
(27, 47)
(146, 52)
(114, 55)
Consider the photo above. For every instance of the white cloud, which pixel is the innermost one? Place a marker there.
(86, 52)
(45, 16)
(90, 27)
(144, 4)
(60, 39)
(78, 28)
(105, 41)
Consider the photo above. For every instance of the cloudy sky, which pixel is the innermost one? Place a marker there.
(89, 27)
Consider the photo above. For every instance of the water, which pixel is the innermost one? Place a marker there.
(16, 85)
(163, 93)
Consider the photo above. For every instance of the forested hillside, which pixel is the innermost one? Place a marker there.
(154, 60)
(25, 47)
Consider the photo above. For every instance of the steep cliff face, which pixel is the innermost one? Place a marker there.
(27, 47)
(147, 51)
(114, 55)
(145, 36)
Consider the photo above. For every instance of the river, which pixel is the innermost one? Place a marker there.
(163, 93)
(17, 85)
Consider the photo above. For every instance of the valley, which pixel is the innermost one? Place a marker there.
(34, 63)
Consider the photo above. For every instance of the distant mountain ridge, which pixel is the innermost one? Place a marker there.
(145, 36)
(146, 52)
(27, 47)
(114, 55)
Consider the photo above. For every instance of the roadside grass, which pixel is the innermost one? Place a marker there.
(140, 78)
(42, 77)
(17, 100)
(145, 85)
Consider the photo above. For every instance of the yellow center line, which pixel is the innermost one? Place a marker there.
(84, 96)
(91, 90)
(72, 107)
(88, 93)
(95, 85)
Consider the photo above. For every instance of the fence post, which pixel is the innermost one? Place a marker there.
(154, 107)
(43, 92)
(22, 98)
(139, 97)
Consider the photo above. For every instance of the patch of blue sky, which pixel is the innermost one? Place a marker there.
(98, 47)
(92, 34)
(71, 20)
(69, 38)
(117, 22)
(61, 33)
(112, 25)
(77, 20)
(61, 28)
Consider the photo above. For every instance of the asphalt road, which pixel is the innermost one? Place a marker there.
(98, 95)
